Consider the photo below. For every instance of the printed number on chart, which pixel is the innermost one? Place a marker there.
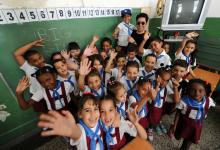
(11, 17)
(69, 13)
(32, 15)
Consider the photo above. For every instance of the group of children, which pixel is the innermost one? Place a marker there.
(99, 98)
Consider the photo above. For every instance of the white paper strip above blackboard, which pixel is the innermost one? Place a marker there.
(10, 16)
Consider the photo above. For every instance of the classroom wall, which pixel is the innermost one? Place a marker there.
(57, 34)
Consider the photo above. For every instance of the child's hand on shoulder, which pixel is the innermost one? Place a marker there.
(65, 54)
(146, 36)
(58, 124)
(38, 42)
(85, 67)
(23, 84)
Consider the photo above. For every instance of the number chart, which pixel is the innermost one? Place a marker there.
(9, 16)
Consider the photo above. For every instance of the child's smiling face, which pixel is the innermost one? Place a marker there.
(132, 73)
(89, 114)
(107, 112)
(121, 95)
(197, 91)
(94, 82)
(178, 72)
(149, 63)
(189, 48)
(47, 80)
(61, 68)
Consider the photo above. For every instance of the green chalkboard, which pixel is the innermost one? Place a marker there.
(18, 122)
(56, 34)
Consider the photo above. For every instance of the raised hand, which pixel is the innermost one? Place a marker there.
(191, 35)
(59, 124)
(85, 67)
(65, 54)
(116, 122)
(133, 116)
(23, 84)
(175, 83)
(113, 54)
(95, 38)
(38, 42)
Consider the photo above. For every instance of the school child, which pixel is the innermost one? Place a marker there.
(98, 63)
(166, 47)
(75, 52)
(117, 90)
(90, 80)
(88, 134)
(30, 61)
(148, 71)
(115, 133)
(124, 30)
(156, 113)
(55, 56)
(132, 51)
(119, 68)
(191, 113)
(63, 74)
(54, 92)
(106, 45)
(187, 51)
(131, 76)
(143, 92)
(163, 59)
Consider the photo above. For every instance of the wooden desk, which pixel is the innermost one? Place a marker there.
(210, 77)
(138, 144)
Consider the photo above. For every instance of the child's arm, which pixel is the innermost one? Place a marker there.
(18, 54)
(83, 71)
(176, 95)
(95, 38)
(133, 117)
(115, 33)
(21, 87)
(191, 72)
(113, 54)
(71, 65)
(141, 46)
(188, 36)
(59, 124)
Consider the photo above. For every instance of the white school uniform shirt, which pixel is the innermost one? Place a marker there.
(114, 72)
(29, 70)
(163, 58)
(72, 76)
(135, 59)
(144, 73)
(132, 100)
(169, 92)
(183, 57)
(147, 52)
(124, 33)
(41, 94)
(81, 143)
(125, 127)
(124, 82)
(183, 107)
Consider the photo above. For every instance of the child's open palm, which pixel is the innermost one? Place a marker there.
(85, 67)
(39, 42)
(59, 124)
(133, 116)
(65, 54)
(23, 84)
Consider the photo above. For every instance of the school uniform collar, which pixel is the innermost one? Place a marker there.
(163, 53)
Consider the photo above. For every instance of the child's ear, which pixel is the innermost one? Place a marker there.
(79, 114)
